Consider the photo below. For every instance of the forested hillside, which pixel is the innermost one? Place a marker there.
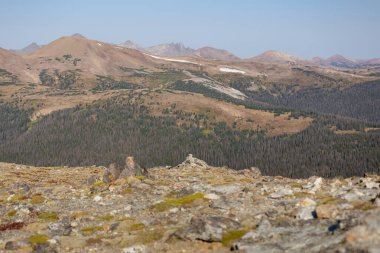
(108, 130)
(360, 101)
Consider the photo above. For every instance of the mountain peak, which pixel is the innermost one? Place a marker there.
(170, 49)
(130, 44)
(215, 53)
(78, 35)
(272, 56)
(32, 47)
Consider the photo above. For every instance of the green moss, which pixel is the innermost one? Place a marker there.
(38, 239)
(231, 236)
(105, 217)
(296, 185)
(98, 184)
(170, 203)
(87, 229)
(11, 213)
(48, 216)
(172, 194)
(126, 190)
(37, 199)
(79, 215)
(123, 219)
(136, 226)
(140, 177)
(90, 230)
(149, 236)
(302, 194)
(17, 198)
(160, 182)
(330, 200)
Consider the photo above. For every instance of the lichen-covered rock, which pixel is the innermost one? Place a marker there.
(132, 168)
(193, 162)
(210, 229)
(60, 228)
(327, 211)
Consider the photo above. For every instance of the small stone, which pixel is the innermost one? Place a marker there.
(306, 213)
(210, 229)
(91, 180)
(52, 241)
(59, 228)
(327, 211)
(114, 226)
(25, 187)
(306, 202)
(306, 209)
(212, 196)
(97, 198)
(135, 249)
(24, 211)
(315, 186)
(10, 245)
(281, 193)
(173, 210)
(255, 171)
(193, 162)
(74, 224)
(227, 189)
(372, 185)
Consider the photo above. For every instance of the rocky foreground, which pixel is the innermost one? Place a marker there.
(192, 207)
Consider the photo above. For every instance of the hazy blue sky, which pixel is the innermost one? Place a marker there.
(245, 27)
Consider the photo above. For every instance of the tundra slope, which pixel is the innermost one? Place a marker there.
(191, 207)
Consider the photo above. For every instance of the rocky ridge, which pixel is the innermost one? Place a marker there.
(192, 207)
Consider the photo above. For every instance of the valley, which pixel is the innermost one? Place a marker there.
(79, 101)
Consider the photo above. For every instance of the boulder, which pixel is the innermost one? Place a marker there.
(193, 162)
(210, 229)
(327, 211)
(132, 168)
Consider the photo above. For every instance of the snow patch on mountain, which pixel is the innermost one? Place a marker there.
(173, 60)
(231, 70)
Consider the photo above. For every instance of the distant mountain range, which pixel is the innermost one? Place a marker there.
(340, 61)
(179, 49)
(268, 57)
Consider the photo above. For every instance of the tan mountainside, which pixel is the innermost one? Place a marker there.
(214, 53)
(15, 65)
(92, 56)
(130, 44)
(276, 57)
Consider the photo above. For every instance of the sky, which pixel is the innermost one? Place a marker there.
(305, 28)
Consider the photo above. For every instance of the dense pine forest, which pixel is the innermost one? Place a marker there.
(106, 131)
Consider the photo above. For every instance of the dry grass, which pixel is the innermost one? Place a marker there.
(219, 111)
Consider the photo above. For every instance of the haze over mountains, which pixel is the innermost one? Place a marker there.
(271, 56)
